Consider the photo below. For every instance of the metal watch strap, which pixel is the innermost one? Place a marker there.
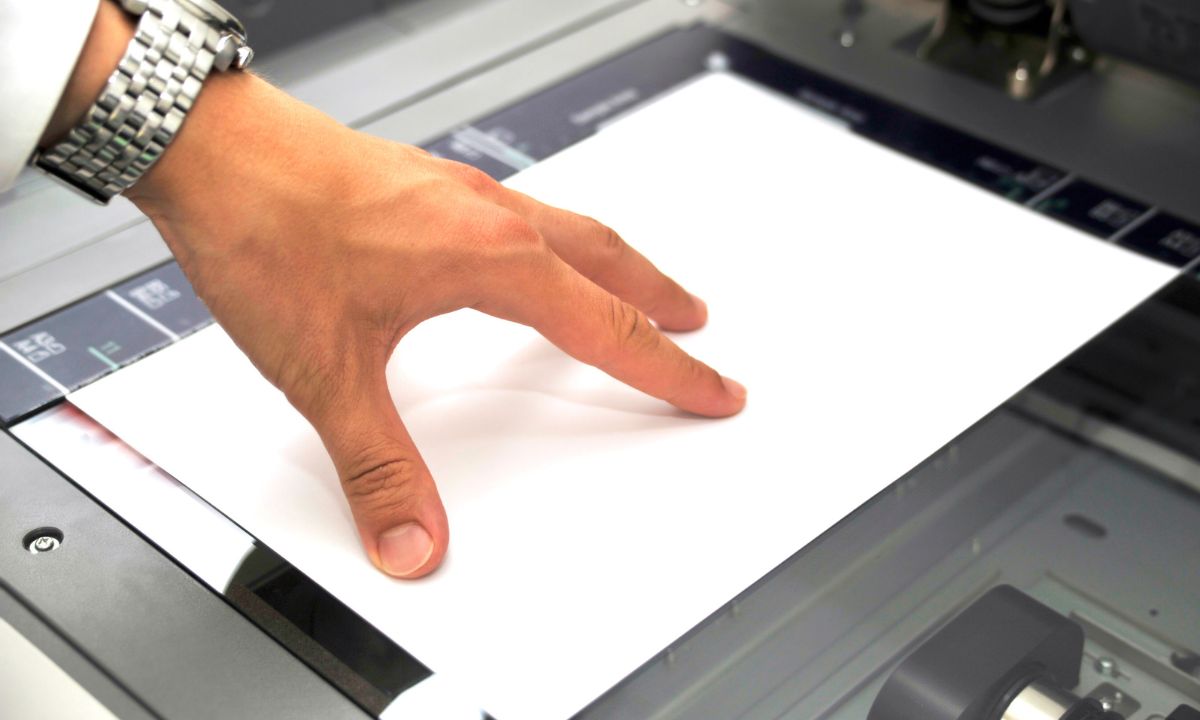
(141, 107)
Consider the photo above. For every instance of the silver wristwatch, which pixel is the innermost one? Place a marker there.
(177, 44)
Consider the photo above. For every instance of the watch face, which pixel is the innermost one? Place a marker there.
(221, 16)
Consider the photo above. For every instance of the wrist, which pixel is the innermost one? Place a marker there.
(212, 139)
(246, 150)
(146, 95)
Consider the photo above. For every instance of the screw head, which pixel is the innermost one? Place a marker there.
(43, 544)
(42, 540)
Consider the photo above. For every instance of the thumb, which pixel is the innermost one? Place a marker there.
(391, 492)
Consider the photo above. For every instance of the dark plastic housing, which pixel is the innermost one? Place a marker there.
(973, 667)
(1161, 34)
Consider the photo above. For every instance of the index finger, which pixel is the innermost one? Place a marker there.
(598, 328)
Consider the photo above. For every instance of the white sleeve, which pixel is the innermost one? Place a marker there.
(40, 40)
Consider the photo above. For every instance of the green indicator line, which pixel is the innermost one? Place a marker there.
(104, 359)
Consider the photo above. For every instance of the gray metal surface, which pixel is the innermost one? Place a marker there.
(34, 686)
(149, 627)
(539, 66)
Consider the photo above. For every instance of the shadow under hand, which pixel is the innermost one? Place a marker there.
(543, 369)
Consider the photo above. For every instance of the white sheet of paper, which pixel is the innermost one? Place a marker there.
(874, 306)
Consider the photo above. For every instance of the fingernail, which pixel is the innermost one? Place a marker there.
(404, 550)
(734, 388)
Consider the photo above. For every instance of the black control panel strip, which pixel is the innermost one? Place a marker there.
(44, 360)
(506, 142)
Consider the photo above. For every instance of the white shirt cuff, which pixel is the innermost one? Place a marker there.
(40, 42)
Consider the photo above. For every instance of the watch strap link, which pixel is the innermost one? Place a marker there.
(142, 105)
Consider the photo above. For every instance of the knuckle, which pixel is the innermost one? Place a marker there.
(511, 232)
(630, 331)
(474, 178)
(611, 245)
(381, 483)
(693, 374)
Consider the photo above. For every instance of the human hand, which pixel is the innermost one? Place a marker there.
(301, 255)
(307, 239)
